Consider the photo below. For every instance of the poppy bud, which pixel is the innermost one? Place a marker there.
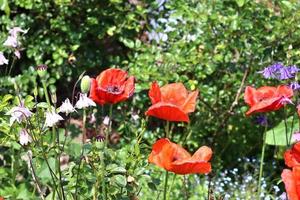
(85, 84)
(42, 70)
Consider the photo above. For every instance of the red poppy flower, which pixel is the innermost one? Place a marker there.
(171, 102)
(266, 98)
(111, 86)
(291, 181)
(172, 157)
(292, 156)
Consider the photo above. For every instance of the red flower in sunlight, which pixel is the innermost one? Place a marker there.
(291, 181)
(266, 98)
(172, 157)
(111, 86)
(171, 102)
(292, 156)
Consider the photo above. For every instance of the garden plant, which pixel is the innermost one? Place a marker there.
(149, 99)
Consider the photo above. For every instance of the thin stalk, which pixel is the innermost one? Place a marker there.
(167, 130)
(261, 162)
(166, 185)
(12, 65)
(103, 185)
(35, 178)
(83, 133)
(46, 94)
(58, 165)
(286, 128)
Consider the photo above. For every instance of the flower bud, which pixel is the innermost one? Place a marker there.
(85, 84)
(42, 70)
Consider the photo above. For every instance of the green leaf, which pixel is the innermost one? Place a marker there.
(277, 135)
(240, 3)
(42, 105)
(4, 6)
(119, 180)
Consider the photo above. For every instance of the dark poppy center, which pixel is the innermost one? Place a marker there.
(113, 89)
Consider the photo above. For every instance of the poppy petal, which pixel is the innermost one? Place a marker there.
(174, 93)
(128, 91)
(111, 77)
(94, 92)
(190, 102)
(167, 112)
(162, 153)
(249, 96)
(204, 153)
(290, 184)
(292, 156)
(284, 90)
(191, 167)
(154, 93)
(267, 105)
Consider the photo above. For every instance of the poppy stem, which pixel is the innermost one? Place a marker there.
(286, 128)
(166, 185)
(262, 162)
(167, 130)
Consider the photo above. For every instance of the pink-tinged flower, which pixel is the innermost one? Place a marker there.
(17, 54)
(18, 113)
(84, 102)
(12, 39)
(25, 138)
(11, 42)
(15, 30)
(3, 60)
(52, 118)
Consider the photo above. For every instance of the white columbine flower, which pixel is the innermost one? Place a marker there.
(66, 107)
(52, 118)
(25, 138)
(3, 60)
(106, 120)
(84, 102)
(18, 113)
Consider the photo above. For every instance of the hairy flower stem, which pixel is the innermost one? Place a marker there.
(58, 155)
(35, 179)
(83, 135)
(167, 130)
(104, 195)
(286, 128)
(261, 162)
(46, 94)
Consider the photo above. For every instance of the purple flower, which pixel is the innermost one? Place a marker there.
(293, 69)
(279, 71)
(24, 137)
(271, 71)
(284, 73)
(3, 60)
(261, 120)
(294, 85)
